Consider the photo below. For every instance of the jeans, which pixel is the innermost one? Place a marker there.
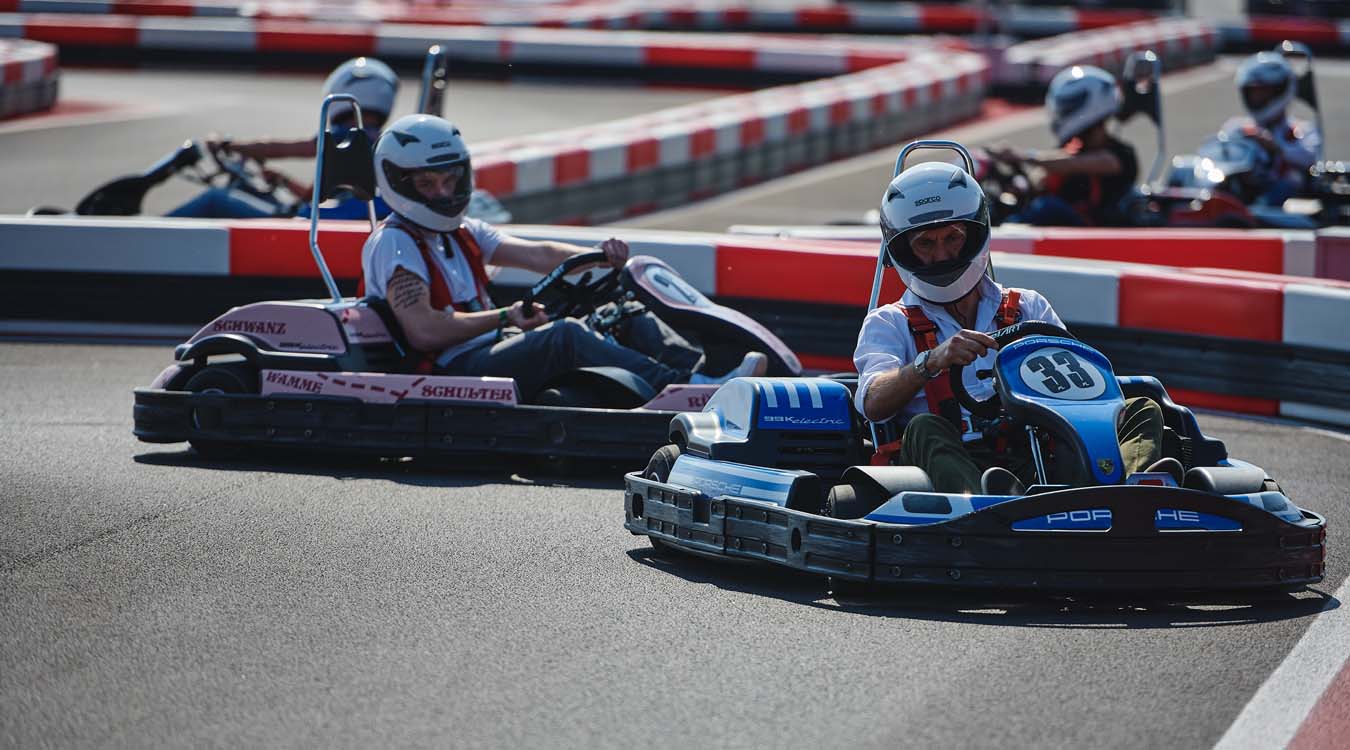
(535, 357)
(1048, 211)
(934, 445)
(221, 203)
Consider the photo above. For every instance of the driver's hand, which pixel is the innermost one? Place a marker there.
(1005, 153)
(616, 252)
(524, 319)
(962, 349)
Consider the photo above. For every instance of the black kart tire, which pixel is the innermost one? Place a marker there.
(851, 501)
(658, 470)
(232, 378)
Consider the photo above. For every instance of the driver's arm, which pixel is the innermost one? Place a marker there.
(262, 150)
(431, 330)
(542, 256)
(889, 391)
(1099, 162)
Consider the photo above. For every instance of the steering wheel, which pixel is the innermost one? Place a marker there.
(563, 298)
(245, 174)
(991, 407)
(1007, 185)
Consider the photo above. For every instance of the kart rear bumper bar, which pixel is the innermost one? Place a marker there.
(982, 550)
(407, 428)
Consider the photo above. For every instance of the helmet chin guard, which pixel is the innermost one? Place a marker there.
(421, 143)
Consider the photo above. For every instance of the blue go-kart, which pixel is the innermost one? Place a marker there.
(775, 470)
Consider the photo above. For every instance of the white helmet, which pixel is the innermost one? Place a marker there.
(1080, 97)
(1261, 70)
(423, 142)
(924, 196)
(372, 83)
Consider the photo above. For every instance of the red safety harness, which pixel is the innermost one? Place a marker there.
(441, 298)
(938, 391)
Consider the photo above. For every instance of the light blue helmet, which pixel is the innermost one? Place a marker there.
(372, 82)
(1080, 97)
(1266, 69)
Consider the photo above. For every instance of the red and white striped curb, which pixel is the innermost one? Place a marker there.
(892, 18)
(28, 76)
(1206, 302)
(921, 94)
(1179, 43)
(1324, 33)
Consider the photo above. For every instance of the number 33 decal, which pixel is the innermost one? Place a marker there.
(1057, 372)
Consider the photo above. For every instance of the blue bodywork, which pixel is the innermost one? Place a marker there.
(1058, 382)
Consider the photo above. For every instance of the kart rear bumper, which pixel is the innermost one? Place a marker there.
(406, 428)
(982, 550)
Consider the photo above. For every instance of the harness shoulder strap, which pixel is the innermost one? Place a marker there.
(440, 287)
(1009, 309)
(938, 391)
(474, 255)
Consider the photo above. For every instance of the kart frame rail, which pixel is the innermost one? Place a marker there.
(340, 425)
(982, 550)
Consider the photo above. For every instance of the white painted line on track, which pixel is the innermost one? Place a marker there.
(115, 113)
(1273, 716)
(115, 332)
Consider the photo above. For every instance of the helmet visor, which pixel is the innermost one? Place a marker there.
(948, 267)
(443, 188)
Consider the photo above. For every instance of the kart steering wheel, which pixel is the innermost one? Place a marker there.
(563, 298)
(991, 407)
(244, 173)
(1007, 185)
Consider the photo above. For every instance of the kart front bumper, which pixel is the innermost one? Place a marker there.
(408, 428)
(982, 550)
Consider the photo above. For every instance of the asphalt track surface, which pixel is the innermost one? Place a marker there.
(151, 598)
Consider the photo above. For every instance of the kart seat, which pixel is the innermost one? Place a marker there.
(348, 164)
(406, 359)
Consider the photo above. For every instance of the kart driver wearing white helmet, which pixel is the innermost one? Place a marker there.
(1092, 171)
(428, 260)
(1267, 84)
(935, 225)
(375, 87)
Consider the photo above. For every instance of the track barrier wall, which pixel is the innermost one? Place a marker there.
(29, 77)
(1238, 340)
(1179, 42)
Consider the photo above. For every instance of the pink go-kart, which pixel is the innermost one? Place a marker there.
(337, 375)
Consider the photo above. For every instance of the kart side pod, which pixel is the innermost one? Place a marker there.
(799, 423)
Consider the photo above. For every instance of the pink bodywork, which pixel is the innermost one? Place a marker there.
(380, 388)
(362, 324)
(282, 326)
(681, 398)
(163, 379)
(662, 282)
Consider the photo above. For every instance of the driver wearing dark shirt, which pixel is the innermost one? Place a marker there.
(1091, 173)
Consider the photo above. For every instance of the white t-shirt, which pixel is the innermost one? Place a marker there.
(389, 248)
(885, 343)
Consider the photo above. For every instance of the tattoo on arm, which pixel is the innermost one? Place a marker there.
(406, 290)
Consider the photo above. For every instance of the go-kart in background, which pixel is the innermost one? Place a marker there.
(172, 602)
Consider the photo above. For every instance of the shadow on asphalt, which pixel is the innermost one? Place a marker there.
(460, 472)
(1003, 608)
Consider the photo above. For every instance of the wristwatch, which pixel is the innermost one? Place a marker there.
(921, 365)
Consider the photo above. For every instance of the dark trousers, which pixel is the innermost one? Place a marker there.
(934, 445)
(535, 357)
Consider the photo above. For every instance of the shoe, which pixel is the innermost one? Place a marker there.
(1169, 466)
(997, 480)
(752, 365)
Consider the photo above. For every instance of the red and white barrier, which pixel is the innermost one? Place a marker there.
(1242, 305)
(1325, 33)
(650, 15)
(804, 56)
(29, 76)
(1179, 42)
